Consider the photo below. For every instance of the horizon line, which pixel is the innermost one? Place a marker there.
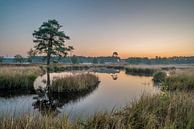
(111, 56)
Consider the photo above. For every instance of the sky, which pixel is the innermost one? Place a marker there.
(133, 28)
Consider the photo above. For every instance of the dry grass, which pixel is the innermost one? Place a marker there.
(75, 83)
(168, 110)
(179, 82)
(164, 111)
(140, 71)
(14, 78)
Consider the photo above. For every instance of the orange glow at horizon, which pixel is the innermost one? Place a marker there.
(99, 28)
(137, 54)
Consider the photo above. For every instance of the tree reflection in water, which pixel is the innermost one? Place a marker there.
(114, 76)
(48, 103)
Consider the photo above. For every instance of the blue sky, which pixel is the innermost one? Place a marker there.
(99, 27)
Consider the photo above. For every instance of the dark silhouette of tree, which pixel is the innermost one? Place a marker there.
(70, 49)
(115, 54)
(31, 53)
(1, 59)
(114, 76)
(49, 40)
(101, 61)
(95, 60)
(18, 58)
(75, 59)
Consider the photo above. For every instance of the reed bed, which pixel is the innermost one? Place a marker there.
(167, 110)
(16, 78)
(140, 71)
(162, 111)
(75, 83)
(180, 82)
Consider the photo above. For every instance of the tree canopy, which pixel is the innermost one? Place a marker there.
(49, 40)
(115, 54)
(18, 58)
(1, 59)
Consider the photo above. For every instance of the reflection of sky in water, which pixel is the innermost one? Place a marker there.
(109, 94)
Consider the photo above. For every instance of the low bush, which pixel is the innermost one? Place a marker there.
(159, 77)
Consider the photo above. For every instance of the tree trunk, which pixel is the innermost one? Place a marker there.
(48, 65)
(48, 78)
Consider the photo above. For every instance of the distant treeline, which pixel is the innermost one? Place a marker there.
(101, 60)
(161, 60)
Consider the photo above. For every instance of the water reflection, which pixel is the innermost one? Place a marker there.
(49, 103)
(114, 76)
(104, 70)
(115, 90)
(45, 105)
(15, 93)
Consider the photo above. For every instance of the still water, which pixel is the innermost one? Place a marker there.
(115, 90)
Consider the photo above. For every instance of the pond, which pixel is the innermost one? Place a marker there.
(115, 90)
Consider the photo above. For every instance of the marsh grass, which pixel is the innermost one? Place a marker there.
(33, 122)
(168, 110)
(162, 111)
(150, 112)
(140, 71)
(179, 82)
(159, 77)
(75, 83)
(17, 78)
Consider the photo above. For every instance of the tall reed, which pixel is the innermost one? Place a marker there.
(15, 78)
(162, 111)
(140, 71)
(179, 82)
(75, 83)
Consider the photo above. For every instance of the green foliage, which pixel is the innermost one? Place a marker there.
(29, 59)
(70, 48)
(1, 59)
(102, 61)
(159, 77)
(179, 82)
(74, 59)
(140, 71)
(31, 52)
(95, 61)
(75, 83)
(18, 58)
(49, 40)
(150, 112)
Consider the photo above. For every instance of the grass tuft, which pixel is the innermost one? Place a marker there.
(75, 83)
(179, 82)
(140, 71)
(17, 78)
